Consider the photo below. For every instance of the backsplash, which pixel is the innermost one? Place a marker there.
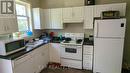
(73, 28)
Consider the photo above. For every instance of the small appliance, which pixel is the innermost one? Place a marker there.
(110, 14)
(10, 46)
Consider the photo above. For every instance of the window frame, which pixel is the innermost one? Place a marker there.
(28, 14)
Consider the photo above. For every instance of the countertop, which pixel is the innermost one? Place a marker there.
(19, 53)
(25, 51)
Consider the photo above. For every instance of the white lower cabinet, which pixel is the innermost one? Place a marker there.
(54, 49)
(24, 64)
(87, 57)
(25, 67)
(41, 58)
(33, 62)
(38, 60)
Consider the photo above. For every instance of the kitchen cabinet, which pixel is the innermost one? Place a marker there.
(109, 7)
(24, 65)
(41, 58)
(8, 25)
(8, 22)
(88, 17)
(38, 18)
(47, 18)
(38, 60)
(56, 18)
(72, 3)
(46, 54)
(87, 57)
(32, 62)
(54, 49)
(73, 14)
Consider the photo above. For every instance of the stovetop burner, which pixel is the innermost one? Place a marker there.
(79, 41)
(66, 41)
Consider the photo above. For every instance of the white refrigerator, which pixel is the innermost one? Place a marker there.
(108, 45)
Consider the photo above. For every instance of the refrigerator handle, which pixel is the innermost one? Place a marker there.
(96, 29)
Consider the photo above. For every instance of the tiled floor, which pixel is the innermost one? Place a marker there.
(64, 71)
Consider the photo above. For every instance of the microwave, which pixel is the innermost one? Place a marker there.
(11, 46)
(110, 14)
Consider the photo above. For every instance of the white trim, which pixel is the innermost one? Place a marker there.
(28, 13)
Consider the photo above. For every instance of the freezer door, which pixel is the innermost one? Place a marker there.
(110, 28)
(108, 55)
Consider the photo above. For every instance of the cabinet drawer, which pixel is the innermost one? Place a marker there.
(21, 59)
(88, 50)
(87, 62)
(87, 58)
(71, 63)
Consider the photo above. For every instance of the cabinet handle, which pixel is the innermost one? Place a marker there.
(4, 28)
(7, 28)
(73, 14)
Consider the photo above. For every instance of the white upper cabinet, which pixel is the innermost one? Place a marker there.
(67, 14)
(38, 18)
(78, 13)
(72, 3)
(8, 25)
(107, 7)
(47, 18)
(8, 22)
(56, 18)
(88, 17)
(73, 14)
(12, 25)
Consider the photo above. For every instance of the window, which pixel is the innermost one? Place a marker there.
(23, 12)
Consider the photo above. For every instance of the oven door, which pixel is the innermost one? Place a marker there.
(71, 52)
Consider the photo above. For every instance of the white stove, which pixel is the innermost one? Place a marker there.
(71, 52)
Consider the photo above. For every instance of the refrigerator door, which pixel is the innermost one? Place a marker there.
(110, 28)
(108, 55)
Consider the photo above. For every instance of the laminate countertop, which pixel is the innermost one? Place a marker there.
(20, 53)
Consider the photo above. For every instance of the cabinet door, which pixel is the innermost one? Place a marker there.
(38, 59)
(88, 50)
(36, 18)
(67, 14)
(78, 14)
(54, 50)
(87, 62)
(45, 55)
(47, 18)
(12, 25)
(56, 18)
(88, 17)
(8, 25)
(46, 52)
(2, 26)
(73, 3)
(25, 67)
(107, 7)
